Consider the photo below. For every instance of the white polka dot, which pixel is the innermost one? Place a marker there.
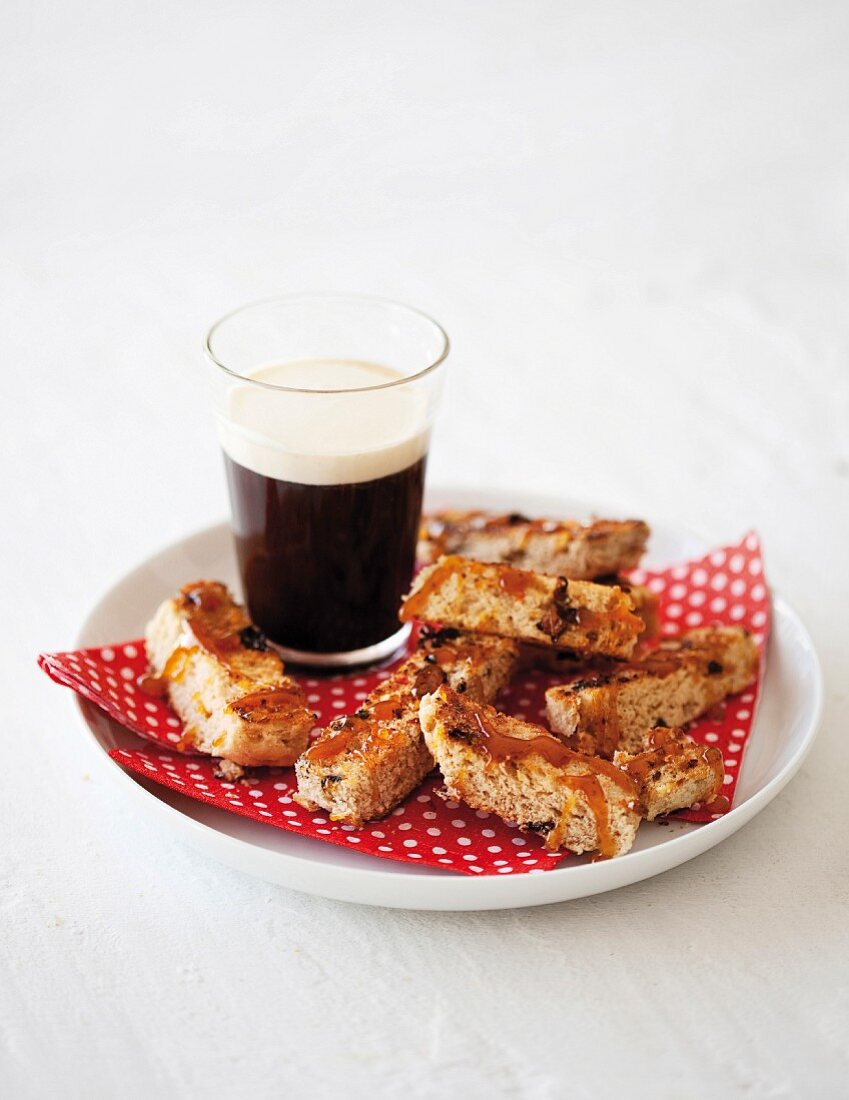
(355, 839)
(755, 567)
(411, 844)
(504, 870)
(737, 563)
(656, 585)
(107, 653)
(717, 557)
(458, 824)
(679, 572)
(711, 737)
(758, 592)
(675, 611)
(730, 762)
(678, 591)
(759, 618)
(519, 840)
(728, 779)
(751, 541)
(699, 577)
(477, 870)
(697, 598)
(493, 848)
(439, 851)
(151, 721)
(413, 855)
(694, 618)
(499, 863)
(173, 737)
(718, 581)
(428, 815)
(734, 747)
(383, 848)
(469, 857)
(488, 832)
(744, 714)
(463, 841)
(737, 612)
(482, 814)
(718, 603)
(338, 704)
(404, 827)
(738, 586)
(130, 651)
(376, 832)
(434, 832)
(127, 673)
(313, 698)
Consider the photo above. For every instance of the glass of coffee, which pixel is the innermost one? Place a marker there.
(324, 407)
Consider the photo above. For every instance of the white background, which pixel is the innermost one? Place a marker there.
(632, 220)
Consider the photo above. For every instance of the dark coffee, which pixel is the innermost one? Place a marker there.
(324, 566)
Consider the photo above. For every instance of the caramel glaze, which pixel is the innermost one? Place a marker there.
(515, 582)
(501, 746)
(357, 733)
(414, 605)
(173, 669)
(220, 626)
(267, 704)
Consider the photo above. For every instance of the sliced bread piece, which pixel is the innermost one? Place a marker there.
(673, 772)
(521, 773)
(224, 682)
(678, 680)
(534, 608)
(563, 547)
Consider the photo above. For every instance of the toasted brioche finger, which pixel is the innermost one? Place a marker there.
(528, 607)
(364, 764)
(224, 682)
(672, 684)
(562, 547)
(524, 775)
(673, 772)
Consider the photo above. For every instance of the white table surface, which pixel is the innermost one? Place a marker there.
(632, 219)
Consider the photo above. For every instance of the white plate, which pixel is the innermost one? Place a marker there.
(784, 729)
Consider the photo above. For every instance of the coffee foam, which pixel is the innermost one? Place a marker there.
(324, 438)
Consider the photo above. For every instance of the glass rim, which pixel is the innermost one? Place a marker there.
(318, 297)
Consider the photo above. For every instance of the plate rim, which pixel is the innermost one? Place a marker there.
(446, 890)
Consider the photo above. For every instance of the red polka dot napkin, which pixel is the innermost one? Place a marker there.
(726, 586)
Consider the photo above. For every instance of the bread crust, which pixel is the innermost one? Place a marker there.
(533, 608)
(227, 686)
(364, 764)
(563, 547)
(674, 683)
(519, 772)
(673, 772)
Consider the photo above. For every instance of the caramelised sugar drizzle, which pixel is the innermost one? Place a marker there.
(414, 605)
(501, 746)
(266, 704)
(401, 694)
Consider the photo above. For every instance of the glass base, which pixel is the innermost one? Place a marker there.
(369, 655)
